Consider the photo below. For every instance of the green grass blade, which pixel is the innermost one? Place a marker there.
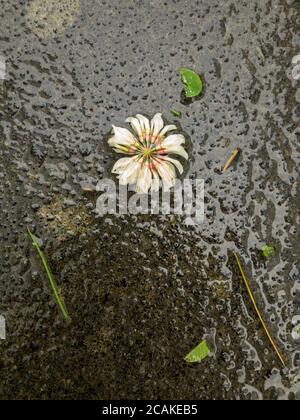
(50, 278)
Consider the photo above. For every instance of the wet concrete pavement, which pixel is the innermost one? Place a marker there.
(143, 290)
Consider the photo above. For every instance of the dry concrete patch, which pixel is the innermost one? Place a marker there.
(50, 18)
(64, 217)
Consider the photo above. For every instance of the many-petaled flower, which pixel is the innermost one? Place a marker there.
(148, 149)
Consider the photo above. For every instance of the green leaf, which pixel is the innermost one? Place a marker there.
(198, 354)
(192, 82)
(175, 113)
(268, 251)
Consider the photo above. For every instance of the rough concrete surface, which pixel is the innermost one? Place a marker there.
(143, 290)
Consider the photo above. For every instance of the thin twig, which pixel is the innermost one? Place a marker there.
(51, 280)
(257, 311)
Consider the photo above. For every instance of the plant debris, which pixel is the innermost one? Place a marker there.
(198, 354)
(268, 251)
(176, 113)
(261, 55)
(50, 278)
(257, 310)
(192, 82)
(230, 161)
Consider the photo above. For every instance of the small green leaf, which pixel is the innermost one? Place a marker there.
(175, 113)
(192, 82)
(198, 354)
(268, 251)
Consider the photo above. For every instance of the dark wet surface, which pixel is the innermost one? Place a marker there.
(142, 291)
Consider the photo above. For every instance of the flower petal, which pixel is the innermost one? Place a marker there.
(166, 171)
(176, 150)
(166, 129)
(157, 125)
(113, 142)
(175, 162)
(173, 140)
(144, 180)
(117, 147)
(130, 174)
(155, 182)
(145, 125)
(123, 136)
(122, 150)
(121, 165)
(135, 124)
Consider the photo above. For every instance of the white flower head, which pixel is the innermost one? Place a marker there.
(148, 148)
